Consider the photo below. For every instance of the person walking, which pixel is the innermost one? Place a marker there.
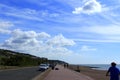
(113, 71)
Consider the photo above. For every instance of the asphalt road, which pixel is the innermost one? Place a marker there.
(19, 74)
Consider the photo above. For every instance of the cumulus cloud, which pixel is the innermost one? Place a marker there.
(89, 7)
(87, 48)
(25, 38)
(39, 44)
(4, 26)
(29, 34)
(43, 35)
(22, 39)
(60, 40)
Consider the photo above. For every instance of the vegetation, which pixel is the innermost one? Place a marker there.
(11, 58)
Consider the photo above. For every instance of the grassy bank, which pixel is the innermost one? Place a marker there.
(14, 67)
(8, 67)
(95, 74)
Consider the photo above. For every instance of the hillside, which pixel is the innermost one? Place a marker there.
(12, 58)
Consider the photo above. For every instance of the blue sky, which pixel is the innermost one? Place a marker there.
(76, 31)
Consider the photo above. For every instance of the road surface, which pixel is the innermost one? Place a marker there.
(19, 74)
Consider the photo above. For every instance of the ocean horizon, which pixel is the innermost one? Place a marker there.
(100, 66)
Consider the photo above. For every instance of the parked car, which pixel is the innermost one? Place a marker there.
(43, 67)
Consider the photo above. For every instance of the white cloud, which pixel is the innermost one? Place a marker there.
(4, 31)
(108, 33)
(110, 40)
(24, 34)
(29, 34)
(27, 13)
(4, 26)
(87, 48)
(21, 39)
(24, 13)
(57, 52)
(37, 44)
(103, 30)
(89, 7)
(60, 40)
(44, 35)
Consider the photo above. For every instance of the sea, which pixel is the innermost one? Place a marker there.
(100, 66)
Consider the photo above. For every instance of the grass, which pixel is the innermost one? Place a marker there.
(8, 67)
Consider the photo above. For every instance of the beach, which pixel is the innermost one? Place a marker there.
(93, 73)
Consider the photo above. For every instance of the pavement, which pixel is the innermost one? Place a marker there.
(65, 74)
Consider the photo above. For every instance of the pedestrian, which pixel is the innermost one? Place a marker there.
(67, 65)
(113, 71)
(52, 66)
(64, 65)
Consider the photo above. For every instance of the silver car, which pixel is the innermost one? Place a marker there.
(43, 67)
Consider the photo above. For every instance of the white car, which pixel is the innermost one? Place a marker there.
(43, 67)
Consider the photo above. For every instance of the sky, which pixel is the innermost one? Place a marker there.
(75, 31)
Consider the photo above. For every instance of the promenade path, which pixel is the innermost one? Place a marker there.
(65, 74)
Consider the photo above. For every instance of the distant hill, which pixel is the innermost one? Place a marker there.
(12, 58)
